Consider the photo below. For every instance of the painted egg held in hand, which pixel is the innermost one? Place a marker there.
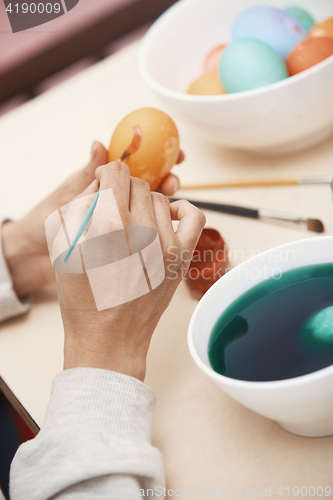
(249, 64)
(159, 148)
(273, 26)
(309, 53)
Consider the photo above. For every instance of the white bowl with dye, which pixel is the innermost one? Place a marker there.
(301, 405)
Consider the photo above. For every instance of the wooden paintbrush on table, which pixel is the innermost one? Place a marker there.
(311, 224)
(282, 181)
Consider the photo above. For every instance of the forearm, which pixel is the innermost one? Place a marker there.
(95, 442)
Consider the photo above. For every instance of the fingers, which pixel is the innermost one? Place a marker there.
(141, 205)
(116, 175)
(99, 157)
(71, 215)
(192, 221)
(163, 221)
(181, 157)
(169, 185)
(78, 182)
(92, 188)
(75, 211)
(84, 177)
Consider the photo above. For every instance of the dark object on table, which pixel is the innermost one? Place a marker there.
(16, 427)
(314, 225)
(208, 263)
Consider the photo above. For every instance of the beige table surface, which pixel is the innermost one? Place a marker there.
(207, 439)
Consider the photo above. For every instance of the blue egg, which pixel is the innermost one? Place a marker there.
(277, 28)
(249, 64)
(303, 17)
(317, 333)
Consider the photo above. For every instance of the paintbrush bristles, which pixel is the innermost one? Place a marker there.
(315, 225)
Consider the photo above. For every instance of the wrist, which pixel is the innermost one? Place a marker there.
(116, 360)
(14, 251)
(12, 242)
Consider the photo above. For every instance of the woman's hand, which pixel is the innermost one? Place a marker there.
(24, 241)
(118, 338)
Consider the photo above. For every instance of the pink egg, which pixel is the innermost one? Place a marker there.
(213, 58)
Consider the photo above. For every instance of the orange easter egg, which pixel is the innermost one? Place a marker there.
(159, 145)
(213, 58)
(207, 84)
(308, 53)
(322, 29)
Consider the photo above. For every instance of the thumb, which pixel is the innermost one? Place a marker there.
(86, 176)
(99, 156)
(79, 181)
(73, 186)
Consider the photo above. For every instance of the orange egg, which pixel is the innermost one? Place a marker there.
(322, 29)
(207, 84)
(213, 58)
(308, 53)
(159, 148)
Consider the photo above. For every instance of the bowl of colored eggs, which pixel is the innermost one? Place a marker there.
(255, 76)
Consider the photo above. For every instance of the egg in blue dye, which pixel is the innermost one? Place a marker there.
(273, 26)
(317, 333)
(249, 64)
(303, 17)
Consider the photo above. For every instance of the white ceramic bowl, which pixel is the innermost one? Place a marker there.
(284, 117)
(302, 405)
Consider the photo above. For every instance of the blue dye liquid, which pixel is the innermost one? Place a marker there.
(279, 329)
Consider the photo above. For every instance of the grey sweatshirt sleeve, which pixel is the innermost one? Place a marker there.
(95, 443)
(10, 304)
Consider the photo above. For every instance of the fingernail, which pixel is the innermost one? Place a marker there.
(94, 149)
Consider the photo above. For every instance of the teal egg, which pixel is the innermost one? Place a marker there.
(248, 64)
(302, 16)
(317, 333)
